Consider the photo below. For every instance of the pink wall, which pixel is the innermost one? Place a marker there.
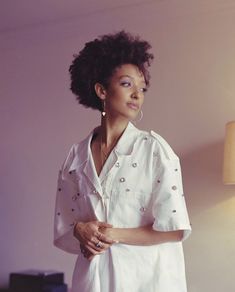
(191, 98)
(39, 121)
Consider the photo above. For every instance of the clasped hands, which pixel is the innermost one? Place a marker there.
(94, 237)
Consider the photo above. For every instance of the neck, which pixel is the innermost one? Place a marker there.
(111, 130)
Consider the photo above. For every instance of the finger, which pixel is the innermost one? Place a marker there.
(86, 254)
(106, 239)
(94, 250)
(97, 245)
(104, 224)
(90, 257)
(98, 235)
(105, 246)
(102, 246)
(90, 241)
(94, 240)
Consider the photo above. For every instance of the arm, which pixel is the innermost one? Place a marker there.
(142, 235)
(91, 232)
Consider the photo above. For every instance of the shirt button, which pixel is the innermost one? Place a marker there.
(122, 179)
(174, 188)
(142, 209)
(134, 164)
(127, 190)
(94, 192)
(145, 138)
(117, 164)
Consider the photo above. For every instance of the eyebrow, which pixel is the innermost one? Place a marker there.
(143, 81)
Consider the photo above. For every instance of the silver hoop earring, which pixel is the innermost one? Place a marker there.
(103, 113)
(141, 114)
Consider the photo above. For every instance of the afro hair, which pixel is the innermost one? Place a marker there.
(99, 58)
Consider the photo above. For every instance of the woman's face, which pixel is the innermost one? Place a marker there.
(125, 93)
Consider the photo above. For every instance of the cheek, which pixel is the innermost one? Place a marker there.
(142, 101)
(117, 97)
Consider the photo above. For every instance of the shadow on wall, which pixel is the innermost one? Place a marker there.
(202, 177)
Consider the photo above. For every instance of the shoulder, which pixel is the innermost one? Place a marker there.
(159, 145)
(69, 157)
(76, 155)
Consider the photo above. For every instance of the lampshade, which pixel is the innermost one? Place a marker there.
(229, 154)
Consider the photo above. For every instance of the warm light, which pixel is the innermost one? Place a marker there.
(229, 154)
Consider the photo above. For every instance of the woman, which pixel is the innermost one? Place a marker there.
(120, 203)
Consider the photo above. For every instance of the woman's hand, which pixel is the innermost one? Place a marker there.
(109, 232)
(92, 240)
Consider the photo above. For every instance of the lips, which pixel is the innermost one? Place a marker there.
(133, 106)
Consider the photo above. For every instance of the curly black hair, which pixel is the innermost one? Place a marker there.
(97, 61)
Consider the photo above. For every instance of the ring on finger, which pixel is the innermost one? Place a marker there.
(98, 244)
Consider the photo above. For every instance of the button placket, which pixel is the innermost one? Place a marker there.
(107, 187)
(143, 204)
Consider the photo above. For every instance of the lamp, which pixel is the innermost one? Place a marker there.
(229, 154)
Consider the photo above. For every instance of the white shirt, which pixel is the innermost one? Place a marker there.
(140, 184)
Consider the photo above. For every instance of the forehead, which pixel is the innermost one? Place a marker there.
(128, 70)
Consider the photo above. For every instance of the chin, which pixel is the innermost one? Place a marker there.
(131, 117)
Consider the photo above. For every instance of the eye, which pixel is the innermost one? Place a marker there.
(144, 89)
(126, 83)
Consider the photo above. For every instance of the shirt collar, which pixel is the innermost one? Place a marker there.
(127, 141)
(124, 146)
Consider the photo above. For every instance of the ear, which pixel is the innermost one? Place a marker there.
(100, 91)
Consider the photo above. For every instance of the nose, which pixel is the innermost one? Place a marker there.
(137, 93)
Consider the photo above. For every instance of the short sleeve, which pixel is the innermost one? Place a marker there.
(66, 209)
(169, 207)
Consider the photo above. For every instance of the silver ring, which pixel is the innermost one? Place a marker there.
(98, 244)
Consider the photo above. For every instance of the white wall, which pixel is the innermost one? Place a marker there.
(190, 100)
